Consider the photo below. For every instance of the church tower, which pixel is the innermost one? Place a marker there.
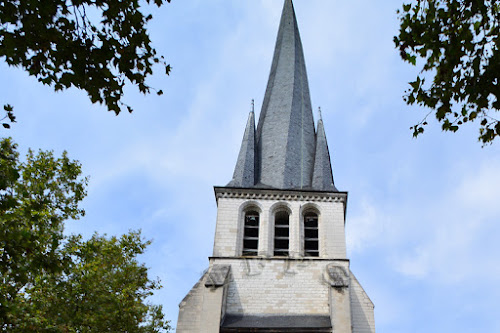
(279, 261)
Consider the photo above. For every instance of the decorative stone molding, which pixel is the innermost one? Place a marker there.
(337, 276)
(217, 276)
(279, 195)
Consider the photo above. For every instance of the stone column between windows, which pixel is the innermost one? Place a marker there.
(263, 249)
(294, 231)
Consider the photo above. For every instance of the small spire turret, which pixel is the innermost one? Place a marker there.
(244, 172)
(322, 174)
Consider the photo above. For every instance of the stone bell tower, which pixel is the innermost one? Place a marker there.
(279, 262)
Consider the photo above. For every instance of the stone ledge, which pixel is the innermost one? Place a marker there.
(279, 258)
(285, 195)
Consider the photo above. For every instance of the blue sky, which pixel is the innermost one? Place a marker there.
(422, 219)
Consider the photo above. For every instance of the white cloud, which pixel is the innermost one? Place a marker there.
(367, 226)
(457, 228)
(479, 191)
(415, 264)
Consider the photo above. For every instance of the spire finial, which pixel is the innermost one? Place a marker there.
(320, 115)
(253, 105)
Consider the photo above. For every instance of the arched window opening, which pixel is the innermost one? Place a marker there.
(281, 233)
(311, 238)
(251, 234)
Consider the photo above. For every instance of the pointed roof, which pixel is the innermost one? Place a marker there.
(284, 149)
(322, 174)
(285, 133)
(244, 173)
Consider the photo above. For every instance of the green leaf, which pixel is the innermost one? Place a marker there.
(112, 48)
(456, 43)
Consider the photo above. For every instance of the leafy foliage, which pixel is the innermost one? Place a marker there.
(458, 41)
(102, 289)
(9, 115)
(93, 45)
(54, 283)
(36, 197)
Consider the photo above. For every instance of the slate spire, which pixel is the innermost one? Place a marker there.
(285, 152)
(244, 173)
(285, 133)
(322, 174)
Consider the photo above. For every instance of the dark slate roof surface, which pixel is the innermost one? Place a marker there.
(281, 322)
(322, 175)
(244, 173)
(281, 153)
(285, 132)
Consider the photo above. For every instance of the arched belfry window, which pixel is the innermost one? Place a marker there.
(251, 233)
(281, 233)
(311, 236)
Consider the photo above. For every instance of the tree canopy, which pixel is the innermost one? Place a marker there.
(36, 197)
(94, 45)
(458, 42)
(58, 283)
(102, 288)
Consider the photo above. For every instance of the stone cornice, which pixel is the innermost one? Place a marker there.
(301, 259)
(284, 195)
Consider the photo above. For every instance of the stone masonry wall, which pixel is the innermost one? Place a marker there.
(277, 287)
(190, 309)
(230, 216)
(263, 286)
(362, 309)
